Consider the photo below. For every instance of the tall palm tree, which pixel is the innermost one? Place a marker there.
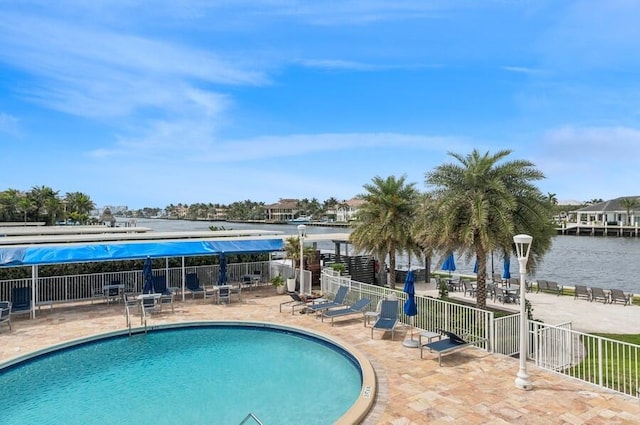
(629, 204)
(78, 203)
(480, 203)
(384, 220)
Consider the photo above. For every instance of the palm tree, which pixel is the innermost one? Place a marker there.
(384, 221)
(80, 204)
(478, 206)
(629, 204)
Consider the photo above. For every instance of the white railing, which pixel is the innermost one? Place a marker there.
(433, 314)
(88, 287)
(507, 335)
(601, 361)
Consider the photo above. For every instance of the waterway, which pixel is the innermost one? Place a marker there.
(606, 262)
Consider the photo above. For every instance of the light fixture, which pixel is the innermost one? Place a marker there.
(301, 234)
(523, 246)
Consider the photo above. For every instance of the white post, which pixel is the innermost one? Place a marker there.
(301, 234)
(523, 245)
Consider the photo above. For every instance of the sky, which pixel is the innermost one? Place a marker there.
(151, 103)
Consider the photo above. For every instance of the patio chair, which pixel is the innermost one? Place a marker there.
(224, 293)
(388, 318)
(541, 285)
(5, 313)
(554, 287)
(192, 283)
(617, 295)
(599, 294)
(501, 296)
(160, 285)
(491, 291)
(338, 301)
(296, 301)
(148, 306)
(468, 289)
(21, 299)
(166, 300)
(357, 308)
(582, 291)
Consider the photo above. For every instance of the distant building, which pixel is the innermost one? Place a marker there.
(283, 210)
(347, 210)
(611, 212)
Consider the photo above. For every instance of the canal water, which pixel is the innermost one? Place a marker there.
(606, 262)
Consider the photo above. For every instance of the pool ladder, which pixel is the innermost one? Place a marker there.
(251, 416)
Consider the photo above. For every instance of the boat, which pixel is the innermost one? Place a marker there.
(299, 220)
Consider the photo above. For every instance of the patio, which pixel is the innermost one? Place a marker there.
(472, 386)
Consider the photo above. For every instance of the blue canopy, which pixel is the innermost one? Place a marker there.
(78, 253)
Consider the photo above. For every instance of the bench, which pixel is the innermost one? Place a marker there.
(449, 345)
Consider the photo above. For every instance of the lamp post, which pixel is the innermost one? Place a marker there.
(523, 246)
(301, 233)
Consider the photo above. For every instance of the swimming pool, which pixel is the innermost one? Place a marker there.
(195, 373)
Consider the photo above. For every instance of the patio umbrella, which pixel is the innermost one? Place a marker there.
(222, 271)
(449, 264)
(410, 307)
(475, 267)
(147, 277)
(506, 274)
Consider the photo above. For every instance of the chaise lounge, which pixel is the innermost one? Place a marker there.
(338, 301)
(357, 308)
(448, 345)
(388, 318)
(582, 291)
(617, 295)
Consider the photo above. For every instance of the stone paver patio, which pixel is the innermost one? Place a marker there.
(471, 387)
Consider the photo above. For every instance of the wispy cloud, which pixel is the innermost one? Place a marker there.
(9, 124)
(97, 73)
(523, 70)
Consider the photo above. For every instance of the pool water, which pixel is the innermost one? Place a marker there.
(194, 375)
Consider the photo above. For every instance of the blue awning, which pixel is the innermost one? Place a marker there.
(79, 253)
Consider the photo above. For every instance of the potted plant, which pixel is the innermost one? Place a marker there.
(339, 267)
(292, 252)
(278, 282)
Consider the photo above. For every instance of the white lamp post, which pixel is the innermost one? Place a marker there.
(523, 246)
(301, 233)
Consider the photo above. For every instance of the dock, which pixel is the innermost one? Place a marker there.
(593, 229)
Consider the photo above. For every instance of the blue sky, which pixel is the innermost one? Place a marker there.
(152, 103)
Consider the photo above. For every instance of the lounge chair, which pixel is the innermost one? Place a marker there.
(388, 318)
(5, 313)
(582, 291)
(192, 283)
(617, 295)
(338, 301)
(599, 294)
(448, 345)
(357, 308)
(296, 301)
(541, 285)
(21, 299)
(160, 285)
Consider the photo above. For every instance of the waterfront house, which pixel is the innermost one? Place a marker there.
(347, 210)
(613, 212)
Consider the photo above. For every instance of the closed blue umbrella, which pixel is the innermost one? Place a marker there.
(449, 264)
(410, 307)
(147, 277)
(475, 267)
(222, 271)
(506, 273)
